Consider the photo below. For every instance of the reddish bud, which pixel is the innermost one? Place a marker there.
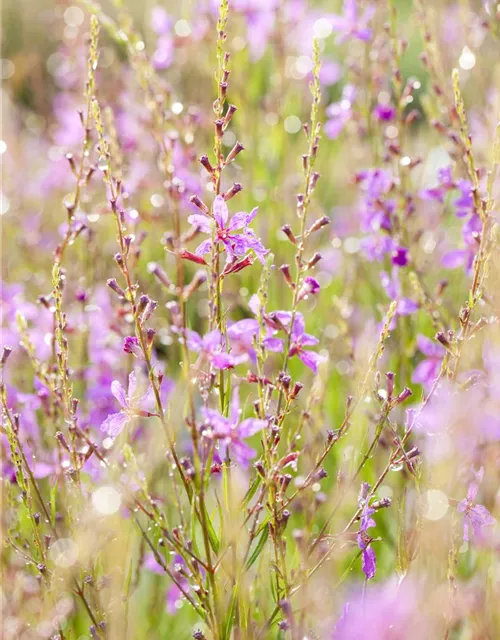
(192, 257)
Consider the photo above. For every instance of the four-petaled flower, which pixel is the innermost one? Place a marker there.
(340, 113)
(476, 516)
(392, 286)
(231, 432)
(235, 244)
(134, 406)
(211, 346)
(301, 339)
(428, 370)
(243, 332)
(349, 25)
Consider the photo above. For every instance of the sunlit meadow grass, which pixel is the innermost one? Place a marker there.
(249, 348)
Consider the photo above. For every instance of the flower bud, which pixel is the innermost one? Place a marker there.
(404, 395)
(199, 203)
(205, 162)
(112, 284)
(200, 277)
(5, 355)
(314, 260)
(159, 274)
(310, 286)
(285, 270)
(236, 188)
(192, 257)
(389, 385)
(321, 222)
(297, 387)
(237, 266)
(238, 147)
(287, 230)
(229, 114)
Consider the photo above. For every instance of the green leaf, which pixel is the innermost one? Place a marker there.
(258, 547)
(228, 622)
(212, 536)
(53, 495)
(251, 491)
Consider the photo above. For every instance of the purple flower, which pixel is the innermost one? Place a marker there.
(242, 334)
(330, 72)
(178, 568)
(465, 257)
(131, 345)
(444, 184)
(299, 340)
(464, 204)
(368, 559)
(392, 286)
(340, 113)
(375, 246)
(377, 209)
(212, 347)
(231, 432)
(384, 112)
(428, 370)
(235, 244)
(349, 25)
(476, 516)
(400, 257)
(310, 286)
(385, 611)
(133, 406)
(160, 20)
(164, 53)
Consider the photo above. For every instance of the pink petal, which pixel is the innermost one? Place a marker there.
(220, 211)
(115, 423)
(119, 392)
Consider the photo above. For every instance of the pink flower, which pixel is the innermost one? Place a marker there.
(301, 339)
(428, 370)
(350, 25)
(476, 516)
(231, 432)
(133, 406)
(235, 244)
(212, 347)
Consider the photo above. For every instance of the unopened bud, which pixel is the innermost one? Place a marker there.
(234, 267)
(236, 188)
(297, 387)
(287, 230)
(219, 124)
(404, 395)
(200, 278)
(285, 270)
(389, 384)
(229, 114)
(314, 260)
(5, 355)
(192, 257)
(159, 274)
(62, 441)
(238, 147)
(112, 284)
(198, 203)
(205, 162)
(321, 222)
